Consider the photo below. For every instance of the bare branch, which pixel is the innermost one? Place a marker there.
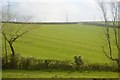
(19, 35)
(3, 33)
(114, 11)
(108, 56)
(103, 6)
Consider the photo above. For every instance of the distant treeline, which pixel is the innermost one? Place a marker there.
(96, 23)
(42, 22)
(102, 24)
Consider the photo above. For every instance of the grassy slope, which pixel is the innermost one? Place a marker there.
(63, 42)
(57, 74)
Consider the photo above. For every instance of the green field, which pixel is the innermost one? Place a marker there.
(57, 74)
(63, 42)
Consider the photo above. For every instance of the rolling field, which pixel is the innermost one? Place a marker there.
(63, 42)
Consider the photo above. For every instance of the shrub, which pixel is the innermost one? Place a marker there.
(11, 62)
(78, 61)
(18, 62)
(56, 64)
(97, 67)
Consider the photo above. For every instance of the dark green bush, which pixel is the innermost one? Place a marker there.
(97, 67)
(78, 61)
(56, 64)
(11, 62)
(18, 62)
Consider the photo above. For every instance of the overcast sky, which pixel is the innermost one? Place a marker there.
(56, 10)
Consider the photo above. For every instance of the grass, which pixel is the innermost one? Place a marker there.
(63, 42)
(57, 74)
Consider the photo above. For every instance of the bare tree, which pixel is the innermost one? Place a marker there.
(11, 32)
(114, 17)
(7, 17)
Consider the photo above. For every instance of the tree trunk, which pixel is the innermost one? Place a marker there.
(12, 49)
(6, 51)
(12, 56)
(118, 63)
